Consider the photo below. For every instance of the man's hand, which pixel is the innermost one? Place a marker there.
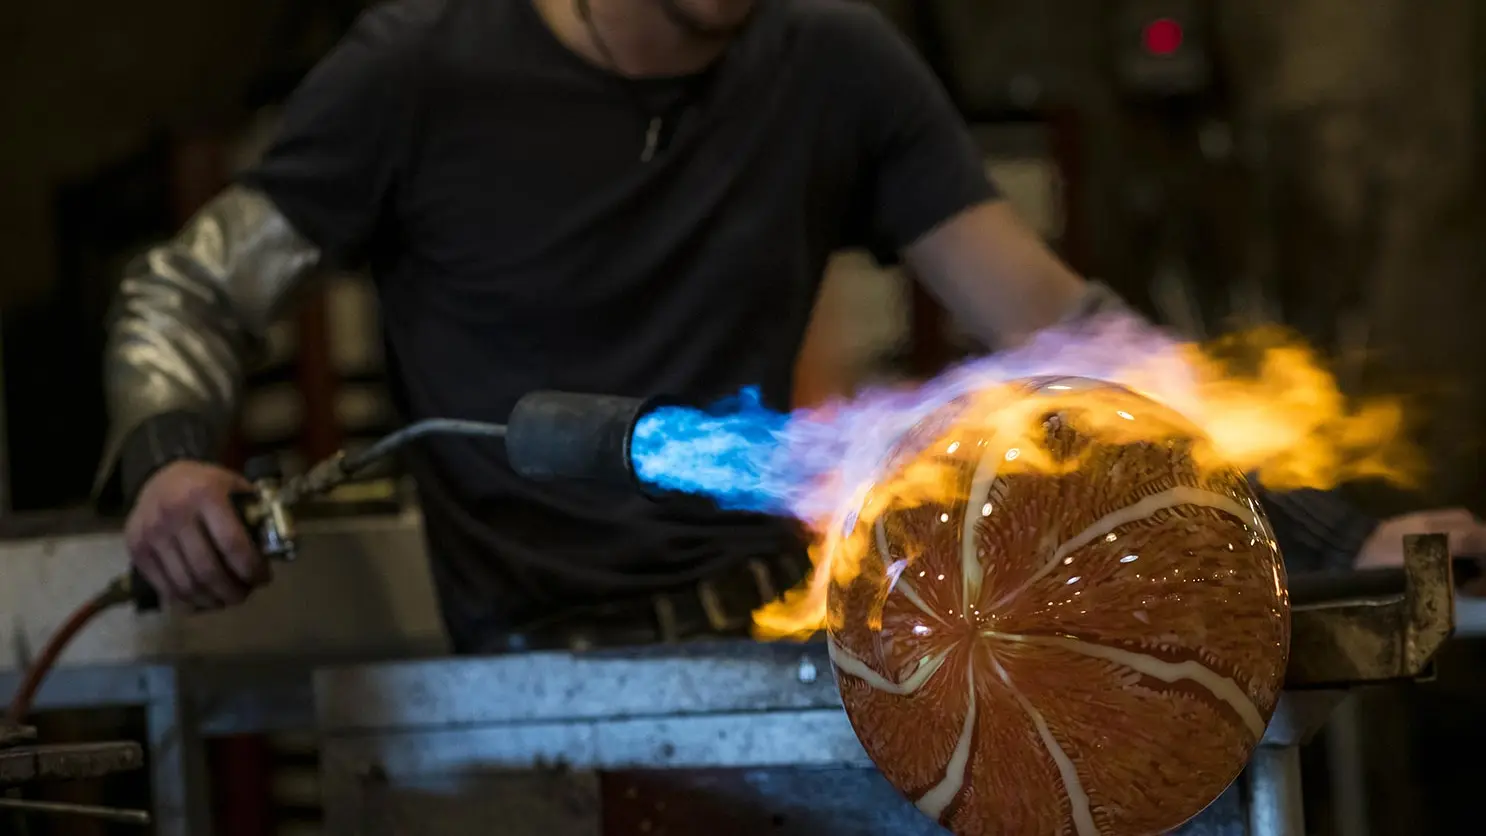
(1467, 535)
(185, 537)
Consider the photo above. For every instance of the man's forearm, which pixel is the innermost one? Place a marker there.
(189, 316)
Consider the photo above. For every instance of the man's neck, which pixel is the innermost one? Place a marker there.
(634, 38)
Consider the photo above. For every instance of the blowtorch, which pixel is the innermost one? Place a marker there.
(548, 436)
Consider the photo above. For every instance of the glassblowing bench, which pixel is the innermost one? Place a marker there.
(748, 739)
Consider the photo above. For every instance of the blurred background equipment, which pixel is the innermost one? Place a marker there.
(1161, 47)
(1315, 162)
(23, 762)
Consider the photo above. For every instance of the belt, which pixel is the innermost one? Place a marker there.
(719, 606)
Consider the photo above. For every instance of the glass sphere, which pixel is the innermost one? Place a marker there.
(1058, 612)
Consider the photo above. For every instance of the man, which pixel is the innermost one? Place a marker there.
(625, 196)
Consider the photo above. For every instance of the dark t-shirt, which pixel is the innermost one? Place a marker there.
(492, 179)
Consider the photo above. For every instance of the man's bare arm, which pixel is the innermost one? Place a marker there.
(996, 275)
(190, 315)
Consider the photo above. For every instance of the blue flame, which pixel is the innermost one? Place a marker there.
(726, 452)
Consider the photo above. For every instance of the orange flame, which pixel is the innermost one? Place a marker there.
(1263, 400)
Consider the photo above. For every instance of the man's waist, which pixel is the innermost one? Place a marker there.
(720, 604)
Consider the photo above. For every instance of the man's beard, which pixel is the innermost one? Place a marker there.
(701, 29)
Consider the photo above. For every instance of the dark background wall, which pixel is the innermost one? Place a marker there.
(1370, 212)
(85, 84)
(105, 109)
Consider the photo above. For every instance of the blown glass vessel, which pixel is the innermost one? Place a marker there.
(1058, 611)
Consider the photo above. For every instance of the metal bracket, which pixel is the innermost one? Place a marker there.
(23, 761)
(1379, 638)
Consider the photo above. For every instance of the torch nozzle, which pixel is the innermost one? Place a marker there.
(567, 436)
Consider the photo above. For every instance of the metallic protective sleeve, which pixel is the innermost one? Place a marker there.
(192, 313)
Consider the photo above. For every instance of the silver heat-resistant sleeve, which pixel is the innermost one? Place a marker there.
(192, 313)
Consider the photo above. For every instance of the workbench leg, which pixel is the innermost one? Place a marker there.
(1276, 807)
(177, 760)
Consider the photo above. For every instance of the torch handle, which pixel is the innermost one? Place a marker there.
(146, 597)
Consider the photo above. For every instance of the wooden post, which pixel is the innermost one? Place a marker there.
(318, 381)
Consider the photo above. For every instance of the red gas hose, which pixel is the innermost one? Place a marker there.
(115, 594)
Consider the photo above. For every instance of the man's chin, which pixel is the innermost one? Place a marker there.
(713, 19)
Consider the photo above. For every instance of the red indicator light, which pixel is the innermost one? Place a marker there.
(1162, 37)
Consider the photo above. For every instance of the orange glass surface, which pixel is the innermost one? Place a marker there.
(1088, 636)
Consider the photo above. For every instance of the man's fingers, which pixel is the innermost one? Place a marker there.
(176, 572)
(1470, 541)
(1466, 531)
(234, 545)
(210, 575)
(1445, 521)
